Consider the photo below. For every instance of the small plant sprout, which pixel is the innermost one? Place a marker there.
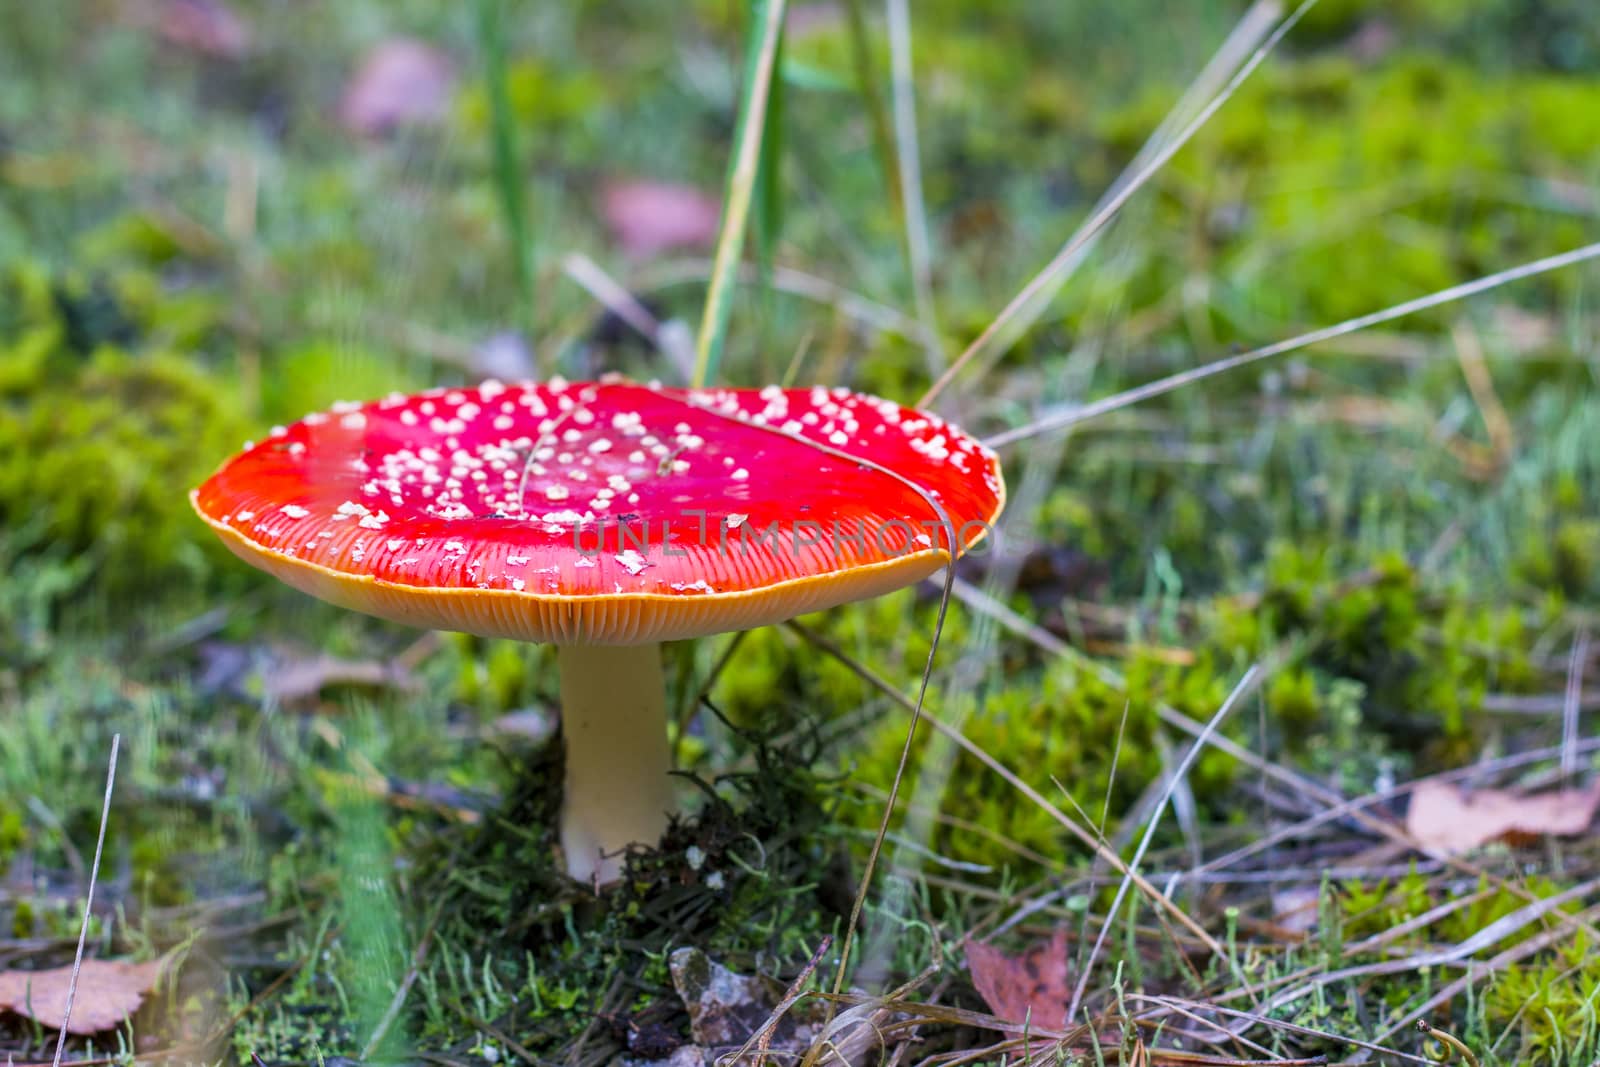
(605, 518)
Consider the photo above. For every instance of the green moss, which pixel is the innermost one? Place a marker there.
(557, 101)
(497, 676)
(1423, 657)
(1538, 1010)
(137, 235)
(156, 880)
(97, 456)
(186, 320)
(773, 667)
(23, 920)
(1548, 1005)
(13, 836)
(1293, 699)
(1565, 559)
(1411, 181)
(315, 376)
(532, 954)
(1059, 729)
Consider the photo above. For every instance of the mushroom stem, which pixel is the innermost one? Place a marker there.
(614, 722)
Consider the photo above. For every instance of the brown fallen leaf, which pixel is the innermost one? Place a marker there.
(401, 82)
(532, 726)
(292, 678)
(726, 1008)
(647, 217)
(1032, 987)
(1446, 819)
(1295, 908)
(208, 27)
(109, 991)
(811, 20)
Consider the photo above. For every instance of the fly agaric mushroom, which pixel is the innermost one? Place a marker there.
(605, 518)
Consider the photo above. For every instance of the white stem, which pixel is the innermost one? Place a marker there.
(614, 722)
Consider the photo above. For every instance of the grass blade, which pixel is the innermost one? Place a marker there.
(872, 97)
(761, 61)
(769, 183)
(919, 258)
(1241, 688)
(1029, 304)
(88, 900)
(1062, 419)
(507, 172)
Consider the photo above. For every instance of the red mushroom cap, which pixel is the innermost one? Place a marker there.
(605, 513)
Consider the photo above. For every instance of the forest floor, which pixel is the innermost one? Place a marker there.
(1266, 731)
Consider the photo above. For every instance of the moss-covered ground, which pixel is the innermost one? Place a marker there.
(344, 829)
